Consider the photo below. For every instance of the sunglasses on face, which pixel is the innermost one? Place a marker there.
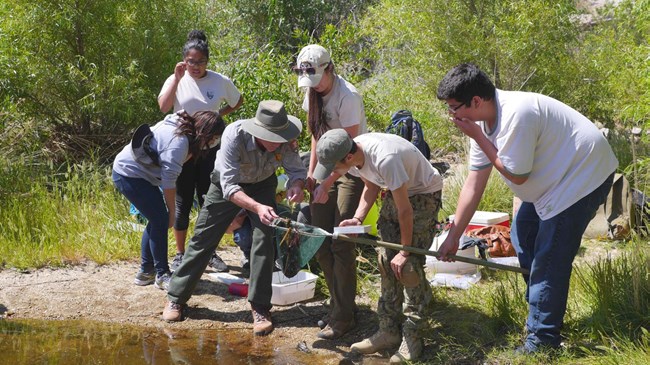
(304, 70)
(307, 69)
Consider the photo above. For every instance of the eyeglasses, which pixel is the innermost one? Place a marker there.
(453, 109)
(196, 63)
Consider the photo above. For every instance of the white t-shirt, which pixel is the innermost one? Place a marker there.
(391, 161)
(562, 152)
(343, 106)
(204, 94)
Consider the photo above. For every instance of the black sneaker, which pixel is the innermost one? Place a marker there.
(176, 262)
(217, 263)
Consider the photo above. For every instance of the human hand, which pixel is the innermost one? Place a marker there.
(267, 214)
(397, 264)
(448, 247)
(468, 127)
(310, 184)
(320, 194)
(350, 222)
(295, 194)
(179, 70)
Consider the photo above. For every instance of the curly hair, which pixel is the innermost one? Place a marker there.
(196, 39)
(200, 128)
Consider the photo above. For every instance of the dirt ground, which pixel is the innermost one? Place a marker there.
(107, 293)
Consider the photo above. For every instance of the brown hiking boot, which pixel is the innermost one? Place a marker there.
(381, 340)
(409, 350)
(336, 329)
(262, 324)
(173, 312)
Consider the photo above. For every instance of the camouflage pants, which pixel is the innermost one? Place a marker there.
(401, 308)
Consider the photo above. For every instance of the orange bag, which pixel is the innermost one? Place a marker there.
(497, 239)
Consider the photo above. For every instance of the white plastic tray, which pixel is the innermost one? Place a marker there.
(352, 229)
(226, 278)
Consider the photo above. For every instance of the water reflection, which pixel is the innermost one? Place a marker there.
(87, 342)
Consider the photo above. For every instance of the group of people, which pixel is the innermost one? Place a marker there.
(552, 157)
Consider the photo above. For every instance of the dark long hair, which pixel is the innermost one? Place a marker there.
(316, 115)
(197, 39)
(200, 128)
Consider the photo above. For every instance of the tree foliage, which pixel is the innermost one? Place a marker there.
(82, 73)
(86, 68)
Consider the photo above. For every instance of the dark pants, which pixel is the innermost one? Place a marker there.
(337, 258)
(195, 176)
(547, 248)
(243, 237)
(148, 199)
(213, 220)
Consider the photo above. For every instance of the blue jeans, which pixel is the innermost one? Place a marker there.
(547, 248)
(243, 237)
(151, 204)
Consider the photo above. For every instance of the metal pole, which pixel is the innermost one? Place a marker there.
(421, 251)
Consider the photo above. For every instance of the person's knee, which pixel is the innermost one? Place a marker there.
(181, 223)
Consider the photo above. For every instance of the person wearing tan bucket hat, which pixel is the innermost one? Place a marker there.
(408, 216)
(244, 177)
(332, 102)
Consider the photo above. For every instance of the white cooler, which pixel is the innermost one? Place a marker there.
(434, 266)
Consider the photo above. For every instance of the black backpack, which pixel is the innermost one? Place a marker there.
(404, 125)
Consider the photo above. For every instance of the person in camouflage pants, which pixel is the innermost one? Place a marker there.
(416, 295)
(408, 217)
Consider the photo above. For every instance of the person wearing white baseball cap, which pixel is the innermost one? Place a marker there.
(331, 102)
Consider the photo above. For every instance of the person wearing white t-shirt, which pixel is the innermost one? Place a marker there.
(555, 160)
(408, 215)
(192, 87)
(332, 102)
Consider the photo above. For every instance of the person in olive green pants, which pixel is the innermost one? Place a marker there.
(244, 177)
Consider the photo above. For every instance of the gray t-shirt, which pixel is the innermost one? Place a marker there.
(172, 152)
(240, 161)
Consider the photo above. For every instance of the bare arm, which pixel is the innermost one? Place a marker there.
(473, 130)
(491, 152)
(368, 198)
(166, 97)
(170, 201)
(468, 201)
(229, 109)
(265, 212)
(405, 217)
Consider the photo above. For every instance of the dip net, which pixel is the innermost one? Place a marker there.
(297, 243)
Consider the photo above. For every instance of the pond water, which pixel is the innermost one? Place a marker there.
(87, 342)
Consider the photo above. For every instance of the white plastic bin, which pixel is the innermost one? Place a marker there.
(434, 266)
(292, 290)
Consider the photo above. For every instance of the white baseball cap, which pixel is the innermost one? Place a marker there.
(311, 64)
